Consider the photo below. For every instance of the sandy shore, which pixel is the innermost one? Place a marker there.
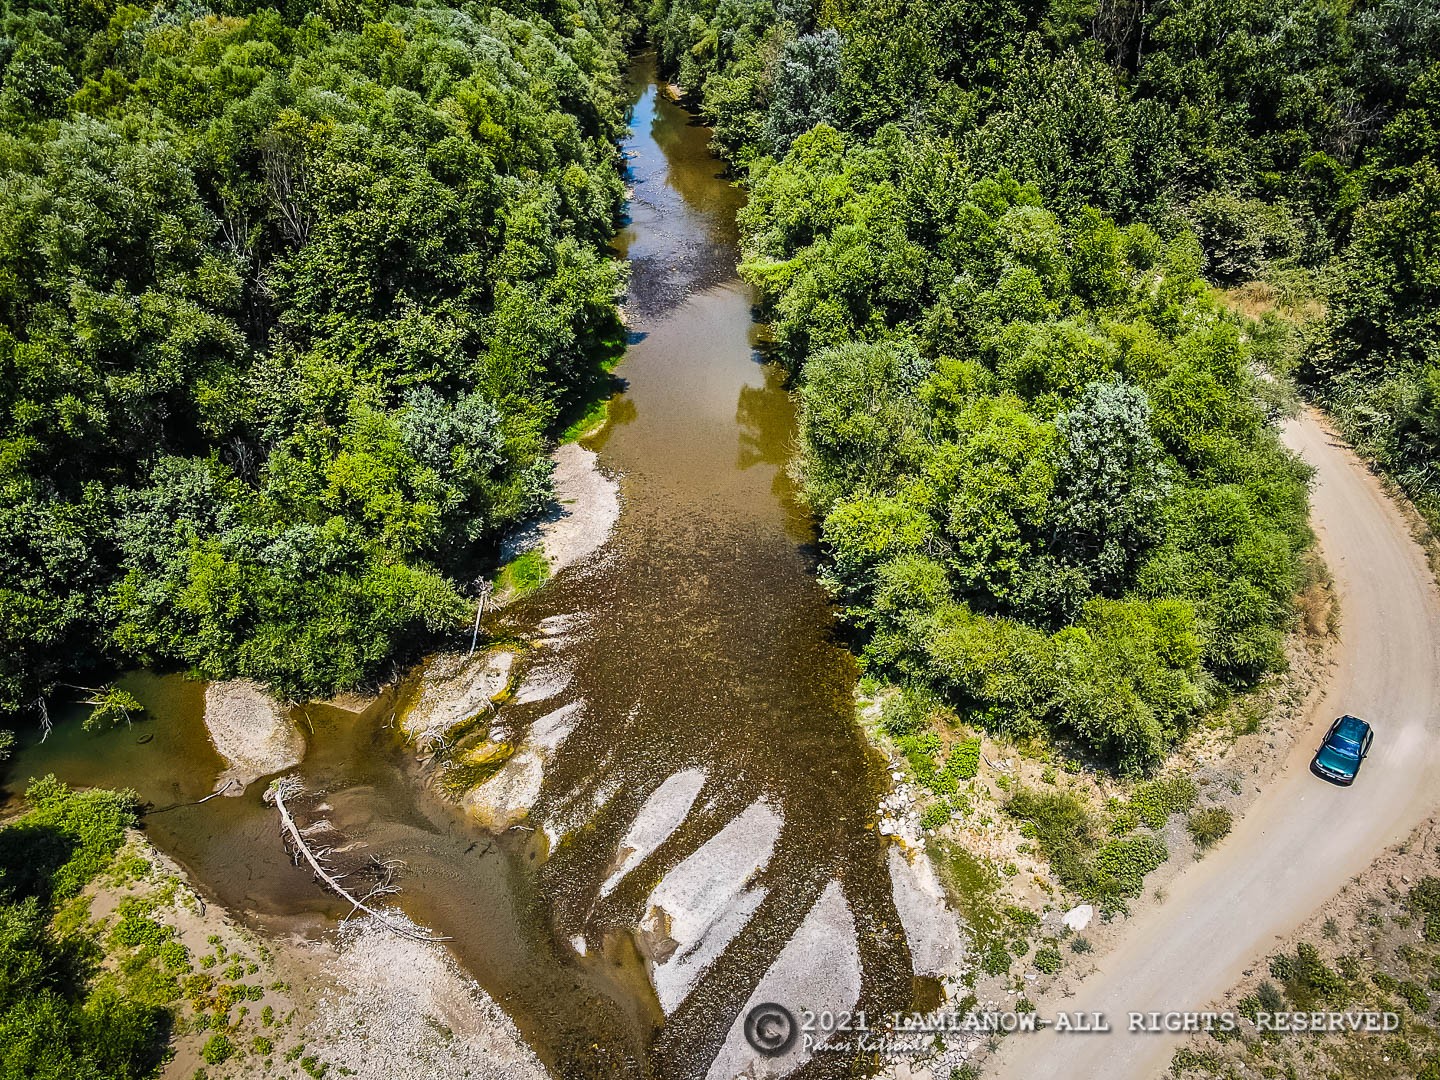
(251, 731)
(358, 1000)
(577, 524)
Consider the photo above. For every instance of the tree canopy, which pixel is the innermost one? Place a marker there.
(290, 302)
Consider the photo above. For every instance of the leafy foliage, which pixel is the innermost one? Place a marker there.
(1055, 510)
(1108, 873)
(1306, 979)
(289, 304)
(56, 1021)
(983, 237)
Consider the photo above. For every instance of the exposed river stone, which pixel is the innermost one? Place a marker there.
(817, 970)
(454, 689)
(937, 947)
(251, 731)
(699, 907)
(505, 799)
(658, 818)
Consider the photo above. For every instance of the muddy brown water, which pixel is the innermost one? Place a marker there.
(702, 640)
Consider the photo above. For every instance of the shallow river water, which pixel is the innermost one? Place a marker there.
(699, 640)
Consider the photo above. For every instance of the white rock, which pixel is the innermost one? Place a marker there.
(660, 816)
(1077, 918)
(818, 969)
(702, 904)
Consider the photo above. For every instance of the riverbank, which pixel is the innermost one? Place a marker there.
(357, 1000)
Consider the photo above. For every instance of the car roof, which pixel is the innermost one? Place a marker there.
(1351, 726)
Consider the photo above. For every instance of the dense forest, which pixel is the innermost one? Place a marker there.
(290, 303)
(990, 236)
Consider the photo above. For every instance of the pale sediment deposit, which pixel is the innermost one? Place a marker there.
(661, 815)
(251, 731)
(702, 904)
(579, 521)
(937, 947)
(819, 966)
(398, 1007)
(454, 690)
(505, 799)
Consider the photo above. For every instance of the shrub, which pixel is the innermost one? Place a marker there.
(1048, 960)
(1081, 945)
(1269, 996)
(1117, 872)
(1064, 829)
(935, 815)
(1209, 825)
(995, 960)
(217, 1049)
(1306, 978)
(964, 760)
(1415, 997)
(1156, 800)
(1424, 903)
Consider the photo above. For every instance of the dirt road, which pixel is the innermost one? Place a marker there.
(1302, 838)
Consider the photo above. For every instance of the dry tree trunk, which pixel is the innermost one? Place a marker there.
(288, 787)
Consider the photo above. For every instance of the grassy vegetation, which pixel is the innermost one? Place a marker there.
(1106, 872)
(1209, 825)
(589, 407)
(523, 574)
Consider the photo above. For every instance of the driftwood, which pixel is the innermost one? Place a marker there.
(218, 791)
(299, 843)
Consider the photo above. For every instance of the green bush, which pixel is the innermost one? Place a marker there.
(1156, 800)
(1048, 960)
(1063, 828)
(1306, 979)
(217, 1049)
(964, 760)
(1117, 872)
(55, 1023)
(1209, 825)
(935, 815)
(1108, 874)
(995, 960)
(1424, 903)
(1415, 996)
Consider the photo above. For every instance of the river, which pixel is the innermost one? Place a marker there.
(703, 642)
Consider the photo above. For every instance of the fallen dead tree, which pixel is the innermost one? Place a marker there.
(302, 849)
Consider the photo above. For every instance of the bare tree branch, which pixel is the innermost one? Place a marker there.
(288, 787)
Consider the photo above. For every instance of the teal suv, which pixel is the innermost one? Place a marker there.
(1345, 746)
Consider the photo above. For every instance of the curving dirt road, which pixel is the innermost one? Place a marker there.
(1303, 838)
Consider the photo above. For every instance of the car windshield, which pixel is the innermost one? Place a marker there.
(1343, 745)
